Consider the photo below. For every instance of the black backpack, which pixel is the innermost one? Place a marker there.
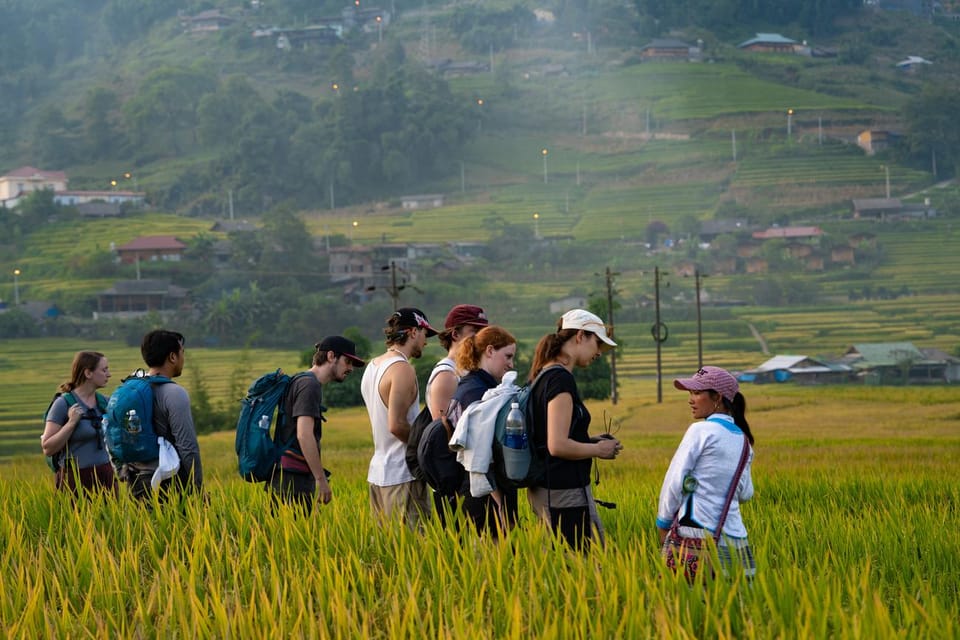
(437, 462)
(420, 423)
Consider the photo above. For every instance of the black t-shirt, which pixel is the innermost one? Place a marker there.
(561, 474)
(304, 397)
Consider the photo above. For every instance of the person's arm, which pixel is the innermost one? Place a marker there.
(311, 453)
(55, 435)
(184, 433)
(559, 443)
(682, 464)
(400, 397)
(442, 388)
(745, 490)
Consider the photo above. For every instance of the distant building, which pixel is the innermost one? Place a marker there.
(874, 140)
(669, 49)
(151, 249)
(427, 201)
(206, 21)
(133, 298)
(73, 198)
(891, 209)
(26, 180)
(788, 232)
(899, 363)
(770, 43)
(800, 369)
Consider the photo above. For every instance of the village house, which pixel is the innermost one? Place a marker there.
(891, 209)
(799, 369)
(350, 263)
(874, 140)
(669, 50)
(206, 21)
(25, 180)
(771, 43)
(151, 249)
(74, 198)
(133, 298)
(899, 363)
(426, 201)
(788, 232)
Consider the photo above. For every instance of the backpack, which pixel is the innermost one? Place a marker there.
(516, 468)
(437, 462)
(132, 438)
(419, 425)
(56, 460)
(258, 453)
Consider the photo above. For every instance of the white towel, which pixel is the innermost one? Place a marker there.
(473, 437)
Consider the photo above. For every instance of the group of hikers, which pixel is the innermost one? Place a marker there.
(708, 477)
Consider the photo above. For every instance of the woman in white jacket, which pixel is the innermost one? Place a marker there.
(702, 472)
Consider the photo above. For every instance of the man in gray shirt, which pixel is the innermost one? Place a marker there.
(163, 353)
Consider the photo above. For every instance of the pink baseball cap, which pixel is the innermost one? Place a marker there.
(710, 378)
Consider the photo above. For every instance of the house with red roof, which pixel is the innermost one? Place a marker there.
(151, 249)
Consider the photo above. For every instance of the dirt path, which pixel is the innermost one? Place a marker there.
(759, 338)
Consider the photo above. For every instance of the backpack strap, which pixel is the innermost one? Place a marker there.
(744, 454)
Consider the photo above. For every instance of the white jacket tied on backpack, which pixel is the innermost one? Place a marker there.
(473, 437)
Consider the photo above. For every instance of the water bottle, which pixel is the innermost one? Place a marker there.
(133, 421)
(515, 434)
(264, 422)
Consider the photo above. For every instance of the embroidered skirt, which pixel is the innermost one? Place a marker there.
(683, 548)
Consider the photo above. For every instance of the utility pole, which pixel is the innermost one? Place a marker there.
(613, 353)
(696, 277)
(659, 332)
(394, 289)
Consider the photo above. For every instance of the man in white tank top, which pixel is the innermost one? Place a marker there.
(392, 396)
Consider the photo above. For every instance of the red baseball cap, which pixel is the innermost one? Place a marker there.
(466, 314)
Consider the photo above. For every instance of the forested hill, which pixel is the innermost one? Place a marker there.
(102, 88)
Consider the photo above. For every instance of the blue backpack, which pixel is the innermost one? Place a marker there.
(128, 421)
(525, 467)
(258, 452)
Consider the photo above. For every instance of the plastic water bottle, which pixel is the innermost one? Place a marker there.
(264, 422)
(133, 421)
(515, 433)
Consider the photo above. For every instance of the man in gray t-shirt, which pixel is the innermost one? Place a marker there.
(301, 479)
(163, 353)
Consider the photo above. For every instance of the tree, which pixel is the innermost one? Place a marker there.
(101, 129)
(165, 107)
(933, 131)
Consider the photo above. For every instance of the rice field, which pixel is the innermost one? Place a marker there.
(853, 527)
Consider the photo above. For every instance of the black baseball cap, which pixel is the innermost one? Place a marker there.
(413, 318)
(341, 346)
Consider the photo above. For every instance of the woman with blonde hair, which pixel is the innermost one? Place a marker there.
(562, 498)
(72, 435)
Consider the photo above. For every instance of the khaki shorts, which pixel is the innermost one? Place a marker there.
(408, 501)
